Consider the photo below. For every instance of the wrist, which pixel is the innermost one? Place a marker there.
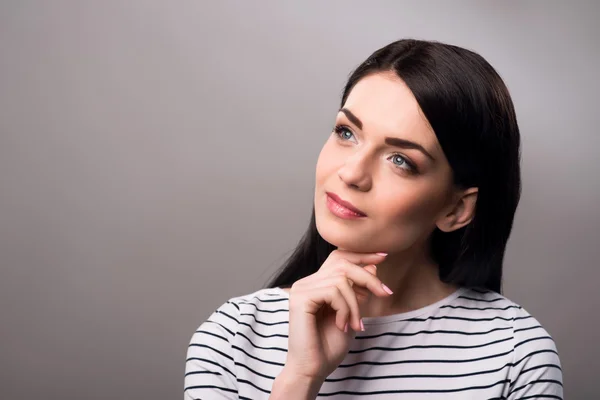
(291, 386)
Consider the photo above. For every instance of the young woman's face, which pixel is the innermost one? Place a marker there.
(384, 159)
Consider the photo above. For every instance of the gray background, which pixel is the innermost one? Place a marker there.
(157, 158)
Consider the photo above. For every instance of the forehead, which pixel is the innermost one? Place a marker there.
(387, 107)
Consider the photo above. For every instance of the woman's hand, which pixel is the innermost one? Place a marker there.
(320, 307)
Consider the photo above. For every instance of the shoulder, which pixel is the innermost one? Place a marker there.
(536, 364)
(258, 300)
(240, 310)
(238, 315)
(501, 307)
(526, 328)
(222, 340)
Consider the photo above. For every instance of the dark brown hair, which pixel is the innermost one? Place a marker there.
(470, 110)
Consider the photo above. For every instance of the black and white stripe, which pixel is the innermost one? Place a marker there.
(473, 344)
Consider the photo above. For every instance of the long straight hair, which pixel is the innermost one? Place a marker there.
(470, 110)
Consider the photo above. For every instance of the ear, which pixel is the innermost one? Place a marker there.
(462, 211)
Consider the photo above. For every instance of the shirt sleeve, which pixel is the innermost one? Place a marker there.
(536, 371)
(210, 367)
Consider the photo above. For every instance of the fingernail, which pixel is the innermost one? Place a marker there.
(346, 327)
(362, 326)
(387, 289)
(382, 254)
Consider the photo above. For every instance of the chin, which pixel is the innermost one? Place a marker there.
(351, 244)
(344, 237)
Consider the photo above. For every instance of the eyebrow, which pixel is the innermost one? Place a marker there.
(391, 141)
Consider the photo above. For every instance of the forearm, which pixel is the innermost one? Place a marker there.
(288, 386)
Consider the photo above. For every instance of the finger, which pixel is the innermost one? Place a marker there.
(363, 278)
(363, 294)
(372, 269)
(350, 297)
(312, 300)
(357, 258)
(342, 284)
(337, 300)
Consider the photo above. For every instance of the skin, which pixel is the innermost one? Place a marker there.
(403, 205)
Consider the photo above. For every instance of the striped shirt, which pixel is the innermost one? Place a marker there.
(471, 345)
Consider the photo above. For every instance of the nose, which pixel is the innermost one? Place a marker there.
(355, 172)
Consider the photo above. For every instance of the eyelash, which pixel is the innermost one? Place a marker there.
(339, 129)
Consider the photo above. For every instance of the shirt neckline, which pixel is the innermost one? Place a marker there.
(404, 315)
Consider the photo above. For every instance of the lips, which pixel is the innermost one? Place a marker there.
(345, 204)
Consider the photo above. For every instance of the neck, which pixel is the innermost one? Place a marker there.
(414, 279)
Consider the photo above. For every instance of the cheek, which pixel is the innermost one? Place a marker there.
(405, 216)
(409, 204)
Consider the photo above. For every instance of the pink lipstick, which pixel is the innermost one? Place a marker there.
(342, 208)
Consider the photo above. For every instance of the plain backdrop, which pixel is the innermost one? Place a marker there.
(157, 158)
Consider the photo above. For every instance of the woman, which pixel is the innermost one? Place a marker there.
(394, 291)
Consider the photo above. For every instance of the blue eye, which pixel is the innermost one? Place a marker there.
(343, 132)
(403, 163)
(396, 157)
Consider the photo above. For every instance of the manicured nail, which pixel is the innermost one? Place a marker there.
(362, 326)
(346, 327)
(382, 254)
(387, 289)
